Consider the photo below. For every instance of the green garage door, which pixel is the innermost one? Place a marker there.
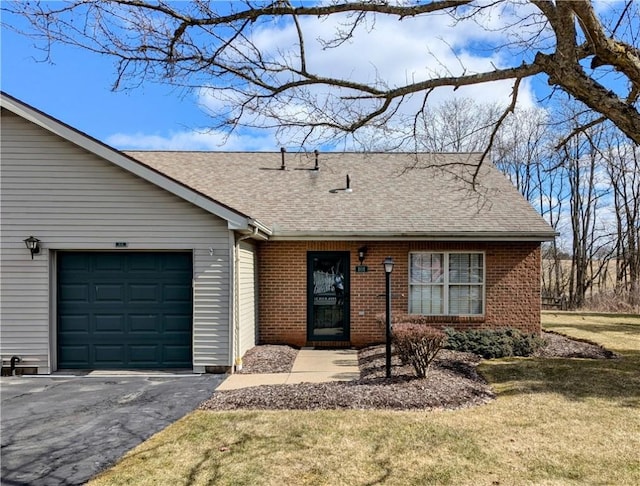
(124, 310)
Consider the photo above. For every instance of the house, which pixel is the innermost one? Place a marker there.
(188, 259)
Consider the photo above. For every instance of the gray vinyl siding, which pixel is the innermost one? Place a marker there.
(247, 288)
(73, 200)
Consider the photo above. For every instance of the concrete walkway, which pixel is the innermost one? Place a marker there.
(310, 366)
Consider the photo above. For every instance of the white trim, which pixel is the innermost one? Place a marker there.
(52, 295)
(233, 277)
(261, 227)
(380, 236)
(194, 368)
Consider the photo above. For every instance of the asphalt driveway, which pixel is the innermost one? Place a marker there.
(64, 430)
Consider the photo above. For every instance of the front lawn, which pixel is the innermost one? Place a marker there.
(555, 421)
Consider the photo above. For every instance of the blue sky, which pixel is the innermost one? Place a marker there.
(76, 88)
(75, 85)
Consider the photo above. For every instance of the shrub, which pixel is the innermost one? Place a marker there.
(619, 301)
(417, 345)
(493, 343)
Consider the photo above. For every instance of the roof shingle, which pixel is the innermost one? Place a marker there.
(393, 194)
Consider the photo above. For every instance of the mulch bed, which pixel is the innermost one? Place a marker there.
(451, 383)
(559, 346)
(268, 359)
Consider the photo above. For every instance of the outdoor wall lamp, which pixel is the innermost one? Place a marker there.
(33, 244)
(362, 253)
(388, 268)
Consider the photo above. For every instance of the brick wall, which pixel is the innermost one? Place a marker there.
(512, 287)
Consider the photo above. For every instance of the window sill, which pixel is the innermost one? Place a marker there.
(448, 319)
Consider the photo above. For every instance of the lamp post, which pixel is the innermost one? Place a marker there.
(388, 268)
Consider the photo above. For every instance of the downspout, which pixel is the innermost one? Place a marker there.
(237, 359)
(14, 361)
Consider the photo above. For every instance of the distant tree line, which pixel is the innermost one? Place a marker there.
(584, 180)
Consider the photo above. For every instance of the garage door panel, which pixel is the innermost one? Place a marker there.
(176, 293)
(73, 293)
(105, 293)
(75, 354)
(177, 264)
(109, 323)
(124, 310)
(144, 293)
(145, 262)
(109, 263)
(148, 355)
(73, 324)
(176, 323)
(175, 354)
(145, 323)
(109, 354)
(77, 262)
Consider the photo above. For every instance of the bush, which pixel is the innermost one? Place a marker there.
(493, 343)
(620, 301)
(417, 345)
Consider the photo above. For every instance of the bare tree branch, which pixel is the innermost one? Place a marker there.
(218, 46)
(580, 129)
(496, 127)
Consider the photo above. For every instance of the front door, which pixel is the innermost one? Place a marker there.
(328, 296)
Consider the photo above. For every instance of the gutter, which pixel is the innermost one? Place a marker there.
(236, 358)
(261, 228)
(252, 228)
(255, 230)
(390, 236)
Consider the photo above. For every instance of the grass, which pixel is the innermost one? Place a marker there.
(555, 422)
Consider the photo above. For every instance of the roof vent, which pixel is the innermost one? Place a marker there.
(317, 154)
(283, 166)
(346, 189)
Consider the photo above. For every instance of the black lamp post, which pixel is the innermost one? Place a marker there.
(388, 268)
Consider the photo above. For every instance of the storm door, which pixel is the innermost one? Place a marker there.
(328, 296)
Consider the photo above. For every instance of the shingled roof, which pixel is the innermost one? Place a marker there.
(393, 195)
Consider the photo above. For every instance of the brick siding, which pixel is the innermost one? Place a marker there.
(512, 287)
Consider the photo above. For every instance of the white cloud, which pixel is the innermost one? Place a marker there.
(193, 140)
(396, 53)
(383, 50)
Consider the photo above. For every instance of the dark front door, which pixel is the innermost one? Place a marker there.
(328, 296)
(124, 310)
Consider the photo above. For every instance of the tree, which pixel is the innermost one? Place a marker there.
(623, 169)
(455, 125)
(581, 161)
(283, 81)
(525, 151)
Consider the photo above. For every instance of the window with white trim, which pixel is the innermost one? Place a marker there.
(446, 283)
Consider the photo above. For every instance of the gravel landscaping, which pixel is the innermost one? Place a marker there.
(559, 346)
(452, 381)
(268, 359)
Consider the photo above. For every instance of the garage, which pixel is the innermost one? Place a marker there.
(124, 310)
